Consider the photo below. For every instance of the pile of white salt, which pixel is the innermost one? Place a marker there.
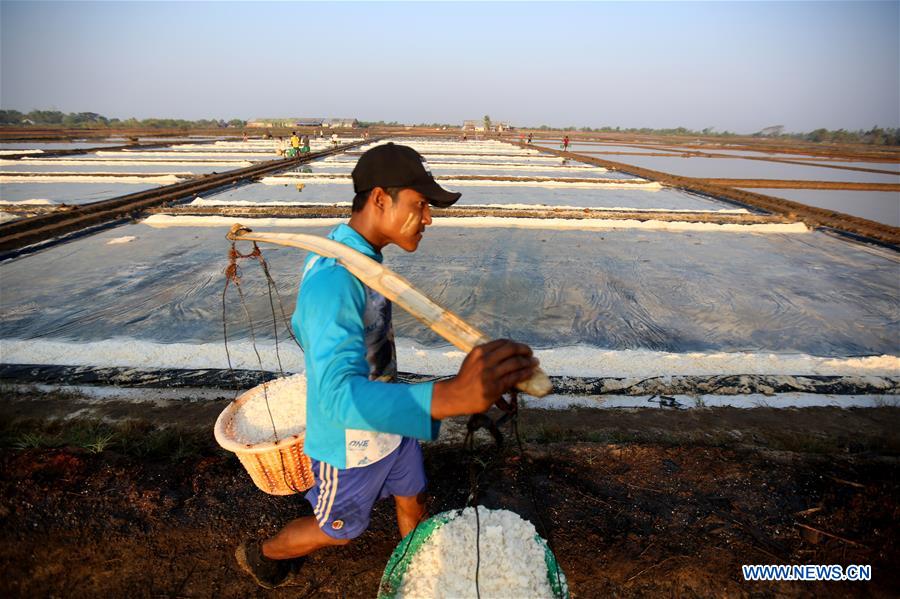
(253, 422)
(511, 559)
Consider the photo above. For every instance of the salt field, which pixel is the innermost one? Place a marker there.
(100, 175)
(736, 168)
(880, 206)
(497, 193)
(542, 286)
(596, 297)
(33, 146)
(65, 192)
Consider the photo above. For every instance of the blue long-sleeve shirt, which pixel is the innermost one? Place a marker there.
(355, 413)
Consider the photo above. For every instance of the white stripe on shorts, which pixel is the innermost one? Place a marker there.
(326, 493)
(322, 489)
(331, 496)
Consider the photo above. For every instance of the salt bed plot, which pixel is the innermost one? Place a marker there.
(424, 145)
(119, 168)
(177, 140)
(469, 170)
(736, 168)
(622, 289)
(99, 165)
(592, 148)
(880, 206)
(192, 155)
(68, 193)
(27, 145)
(439, 158)
(884, 166)
(134, 158)
(602, 197)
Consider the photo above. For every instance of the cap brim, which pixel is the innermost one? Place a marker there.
(437, 195)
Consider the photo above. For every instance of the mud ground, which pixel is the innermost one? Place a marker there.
(634, 502)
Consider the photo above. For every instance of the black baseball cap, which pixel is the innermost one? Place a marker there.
(391, 165)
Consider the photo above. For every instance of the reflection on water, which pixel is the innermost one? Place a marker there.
(20, 167)
(880, 206)
(737, 168)
(69, 193)
(617, 289)
(585, 148)
(75, 145)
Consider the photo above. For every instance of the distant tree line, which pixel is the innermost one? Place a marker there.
(876, 135)
(92, 120)
(367, 124)
(644, 130)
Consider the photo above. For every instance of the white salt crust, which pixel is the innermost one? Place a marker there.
(120, 240)
(511, 560)
(576, 360)
(34, 202)
(166, 220)
(287, 403)
(214, 202)
(130, 162)
(87, 178)
(448, 181)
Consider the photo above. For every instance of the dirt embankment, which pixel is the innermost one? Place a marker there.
(636, 503)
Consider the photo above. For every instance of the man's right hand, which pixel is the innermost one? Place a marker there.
(489, 371)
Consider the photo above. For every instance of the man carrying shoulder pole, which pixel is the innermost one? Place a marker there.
(363, 427)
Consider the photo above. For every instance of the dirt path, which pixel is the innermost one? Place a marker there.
(666, 516)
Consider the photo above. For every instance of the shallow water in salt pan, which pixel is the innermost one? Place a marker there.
(880, 206)
(623, 289)
(68, 193)
(488, 194)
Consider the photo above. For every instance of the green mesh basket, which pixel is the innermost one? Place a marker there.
(392, 579)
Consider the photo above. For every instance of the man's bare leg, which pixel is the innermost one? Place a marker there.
(410, 510)
(298, 538)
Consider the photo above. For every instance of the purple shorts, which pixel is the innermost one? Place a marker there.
(342, 500)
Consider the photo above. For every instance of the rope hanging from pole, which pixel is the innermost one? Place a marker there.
(233, 276)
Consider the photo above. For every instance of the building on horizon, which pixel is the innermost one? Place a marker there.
(476, 125)
(341, 123)
(308, 122)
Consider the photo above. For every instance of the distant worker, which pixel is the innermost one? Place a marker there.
(245, 137)
(565, 143)
(334, 139)
(304, 144)
(530, 136)
(279, 146)
(295, 145)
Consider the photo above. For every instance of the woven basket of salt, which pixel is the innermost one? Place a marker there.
(265, 428)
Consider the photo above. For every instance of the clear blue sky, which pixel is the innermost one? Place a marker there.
(731, 65)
